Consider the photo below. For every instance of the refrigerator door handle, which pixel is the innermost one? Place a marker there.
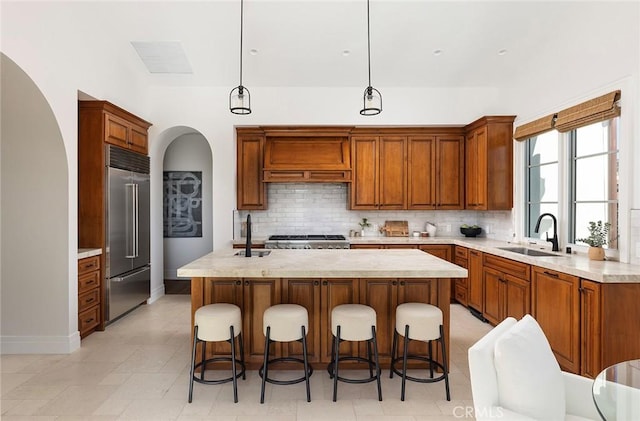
(136, 222)
(132, 225)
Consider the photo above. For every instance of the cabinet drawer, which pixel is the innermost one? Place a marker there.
(461, 294)
(462, 252)
(88, 299)
(88, 319)
(88, 281)
(511, 267)
(116, 131)
(88, 264)
(462, 282)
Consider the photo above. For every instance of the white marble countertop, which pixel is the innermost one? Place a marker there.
(390, 263)
(572, 264)
(88, 252)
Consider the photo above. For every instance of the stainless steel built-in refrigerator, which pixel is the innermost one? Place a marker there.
(128, 272)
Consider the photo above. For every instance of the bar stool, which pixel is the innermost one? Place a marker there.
(217, 323)
(420, 322)
(354, 322)
(285, 323)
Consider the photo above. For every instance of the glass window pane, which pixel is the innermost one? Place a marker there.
(587, 212)
(592, 179)
(546, 225)
(543, 148)
(543, 183)
(593, 139)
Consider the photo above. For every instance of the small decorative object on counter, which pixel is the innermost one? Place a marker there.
(470, 231)
(430, 229)
(598, 235)
(363, 225)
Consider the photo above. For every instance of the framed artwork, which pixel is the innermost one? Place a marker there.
(182, 204)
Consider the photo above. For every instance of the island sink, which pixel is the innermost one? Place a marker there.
(528, 252)
(254, 253)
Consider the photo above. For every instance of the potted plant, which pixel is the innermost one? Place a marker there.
(363, 225)
(598, 235)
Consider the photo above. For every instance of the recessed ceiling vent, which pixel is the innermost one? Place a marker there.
(163, 56)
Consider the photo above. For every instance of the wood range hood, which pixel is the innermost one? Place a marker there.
(306, 154)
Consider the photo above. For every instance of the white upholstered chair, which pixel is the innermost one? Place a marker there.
(515, 376)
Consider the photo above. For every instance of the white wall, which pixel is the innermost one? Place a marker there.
(39, 306)
(190, 152)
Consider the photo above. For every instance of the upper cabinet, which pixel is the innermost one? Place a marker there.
(250, 188)
(489, 163)
(112, 124)
(379, 168)
(435, 172)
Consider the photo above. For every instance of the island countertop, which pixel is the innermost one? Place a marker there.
(395, 263)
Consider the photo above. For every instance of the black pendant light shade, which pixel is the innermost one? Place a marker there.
(372, 99)
(239, 98)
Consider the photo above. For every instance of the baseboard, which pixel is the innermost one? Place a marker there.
(39, 344)
(156, 294)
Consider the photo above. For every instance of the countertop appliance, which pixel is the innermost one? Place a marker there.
(128, 271)
(312, 241)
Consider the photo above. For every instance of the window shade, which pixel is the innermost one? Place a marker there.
(589, 112)
(534, 128)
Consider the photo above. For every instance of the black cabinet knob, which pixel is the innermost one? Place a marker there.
(238, 282)
(316, 283)
(325, 283)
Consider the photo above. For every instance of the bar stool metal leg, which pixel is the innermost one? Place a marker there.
(204, 365)
(233, 365)
(336, 351)
(394, 345)
(306, 363)
(241, 341)
(444, 363)
(264, 364)
(431, 358)
(375, 350)
(404, 361)
(193, 362)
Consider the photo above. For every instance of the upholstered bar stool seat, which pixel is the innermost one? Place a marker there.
(419, 322)
(285, 323)
(217, 323)
(354, 322)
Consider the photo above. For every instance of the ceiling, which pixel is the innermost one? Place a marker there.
(304, 43)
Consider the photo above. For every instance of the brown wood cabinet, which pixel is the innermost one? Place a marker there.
(460, 292)
(89, 295)
(489, 163)
(507, 291)
(609, 318)
(435, 172)
(555, 304)
(379, 172)
(111, 124)
(475, 285)
(250, 190)
(307, 293)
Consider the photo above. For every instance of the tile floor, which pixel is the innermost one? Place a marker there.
(138, 369)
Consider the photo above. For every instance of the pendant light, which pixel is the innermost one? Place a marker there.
(239, 98)
(372, 98)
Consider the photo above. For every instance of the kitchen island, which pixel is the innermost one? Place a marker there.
(320, 280)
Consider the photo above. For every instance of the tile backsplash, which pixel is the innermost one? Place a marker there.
(319, 208)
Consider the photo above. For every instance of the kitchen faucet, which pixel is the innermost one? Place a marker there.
(247, 248)
(554, 239)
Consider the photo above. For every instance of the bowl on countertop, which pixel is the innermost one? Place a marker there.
(470, 231)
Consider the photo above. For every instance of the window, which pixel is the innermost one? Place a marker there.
(591, 169)
(542, 182)
(594, 178)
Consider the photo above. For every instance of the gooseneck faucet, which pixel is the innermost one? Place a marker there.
(247, 248)
(554, 239)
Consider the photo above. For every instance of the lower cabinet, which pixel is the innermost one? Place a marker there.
(461, 285)
(475, 285)
(89, 295)
(555, 303)
(505, 296)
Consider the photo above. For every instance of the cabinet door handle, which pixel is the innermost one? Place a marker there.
(581, 290)
(246, 283)
(325, 282)
(89, 320)
(555, 275)
(475, 253)
(89, 300)
(394, 283)
(316, 283)
(402, 283)
(238, 282)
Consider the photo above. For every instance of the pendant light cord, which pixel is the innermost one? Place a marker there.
(241, 31)
(368, 43)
